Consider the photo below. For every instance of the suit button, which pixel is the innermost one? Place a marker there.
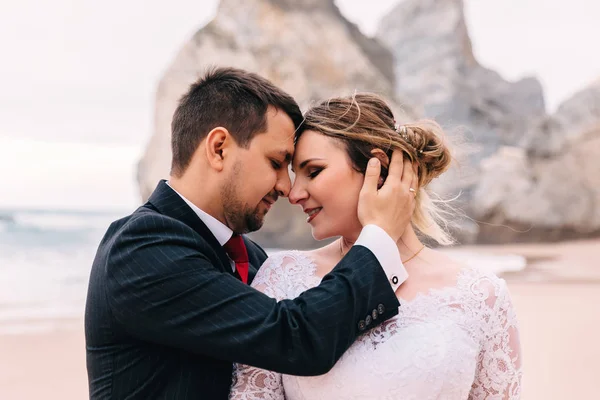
(374, 314)
(395, 280)
(368, 320)
(361, 325)
(380, 309)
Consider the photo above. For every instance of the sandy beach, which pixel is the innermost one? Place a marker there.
(556, 299)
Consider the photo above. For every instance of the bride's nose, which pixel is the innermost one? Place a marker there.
(297, 193)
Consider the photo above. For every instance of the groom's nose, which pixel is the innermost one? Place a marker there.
(283, 184)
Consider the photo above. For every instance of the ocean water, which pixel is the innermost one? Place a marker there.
(46, 257)
(45, 261)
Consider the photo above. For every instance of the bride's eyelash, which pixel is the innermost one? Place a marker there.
(314, 172)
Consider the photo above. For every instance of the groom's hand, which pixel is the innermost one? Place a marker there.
(391, 207)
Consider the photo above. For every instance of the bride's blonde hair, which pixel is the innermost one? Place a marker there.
(364, 122)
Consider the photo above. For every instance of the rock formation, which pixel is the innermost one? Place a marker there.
(305, 47)
(526, 177)
(435, 67)
(550, 186)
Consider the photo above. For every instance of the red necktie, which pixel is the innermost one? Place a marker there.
(236, 250)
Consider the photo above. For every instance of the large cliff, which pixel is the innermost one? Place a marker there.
(548, 188)
(305, 47)
(523, 175)
(528, 176)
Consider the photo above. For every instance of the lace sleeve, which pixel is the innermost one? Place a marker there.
(498, 374)
(251, 383)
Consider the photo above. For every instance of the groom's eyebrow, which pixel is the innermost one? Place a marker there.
(287, 155)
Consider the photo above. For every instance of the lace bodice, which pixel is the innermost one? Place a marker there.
(457, 342)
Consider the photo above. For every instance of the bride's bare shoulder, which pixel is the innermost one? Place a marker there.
(440, 263)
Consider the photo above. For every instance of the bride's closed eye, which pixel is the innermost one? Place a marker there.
(313, 172)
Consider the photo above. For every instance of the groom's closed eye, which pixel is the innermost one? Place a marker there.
(276, 164)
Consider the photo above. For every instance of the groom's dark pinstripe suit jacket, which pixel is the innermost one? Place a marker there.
(165, 316)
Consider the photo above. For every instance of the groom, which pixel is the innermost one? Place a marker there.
(169, 308)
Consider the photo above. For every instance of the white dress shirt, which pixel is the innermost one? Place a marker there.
(386, 251)
(372, 237)
(221, 231)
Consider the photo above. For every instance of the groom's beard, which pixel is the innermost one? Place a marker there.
(240, 217)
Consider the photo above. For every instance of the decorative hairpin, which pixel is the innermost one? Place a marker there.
(401, 129)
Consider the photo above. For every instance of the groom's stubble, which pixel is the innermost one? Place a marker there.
(239, 215)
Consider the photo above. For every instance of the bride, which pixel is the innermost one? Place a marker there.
(456, 334)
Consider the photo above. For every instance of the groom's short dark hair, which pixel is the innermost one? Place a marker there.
(232, 98)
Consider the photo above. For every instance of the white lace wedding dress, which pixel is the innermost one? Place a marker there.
(459, 342)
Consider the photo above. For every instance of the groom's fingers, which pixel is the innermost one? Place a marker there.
(408, 175)
(407, 172)
(390, 207)
(394, 179)
(414, 180)
(372, 176)
(396, 165)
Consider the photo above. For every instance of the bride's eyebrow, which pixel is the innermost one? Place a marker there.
(303, 163)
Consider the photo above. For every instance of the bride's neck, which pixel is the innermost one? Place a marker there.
(408, 244)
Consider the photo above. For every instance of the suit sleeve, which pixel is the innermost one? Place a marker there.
(162, 288)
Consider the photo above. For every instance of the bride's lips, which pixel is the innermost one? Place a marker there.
(312, 213)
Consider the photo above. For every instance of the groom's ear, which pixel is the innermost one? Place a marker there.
(217, 142)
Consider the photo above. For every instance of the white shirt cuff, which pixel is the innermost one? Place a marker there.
(386, 251)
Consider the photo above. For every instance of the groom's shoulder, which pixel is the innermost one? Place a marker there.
(146, 219)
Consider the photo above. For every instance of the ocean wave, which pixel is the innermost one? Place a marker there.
(39, 282)
(55, 221)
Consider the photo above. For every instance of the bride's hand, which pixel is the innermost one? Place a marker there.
(391, 207)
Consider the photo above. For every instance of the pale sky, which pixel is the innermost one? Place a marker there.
(77, 80)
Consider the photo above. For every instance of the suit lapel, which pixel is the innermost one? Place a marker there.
(251, 273)
(256, 256)
(169, 203)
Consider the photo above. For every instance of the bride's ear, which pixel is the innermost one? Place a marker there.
(385, 162)
(383, 158)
